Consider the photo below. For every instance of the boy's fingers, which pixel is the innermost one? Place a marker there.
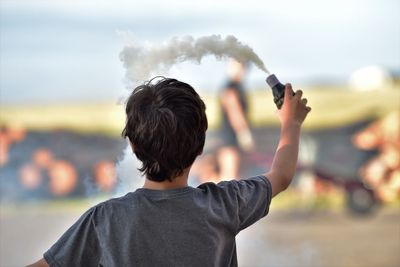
(288, 91)
(299, 94)
(304, 101)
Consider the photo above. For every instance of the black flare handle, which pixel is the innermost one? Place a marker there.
(278, 90)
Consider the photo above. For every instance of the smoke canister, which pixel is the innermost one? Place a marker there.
(278, 89)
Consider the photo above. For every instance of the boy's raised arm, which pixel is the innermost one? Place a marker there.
(291, 115)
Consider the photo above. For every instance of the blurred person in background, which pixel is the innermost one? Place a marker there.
(235, 134)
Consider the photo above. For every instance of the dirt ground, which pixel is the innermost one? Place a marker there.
(283, 238)
(323, 238)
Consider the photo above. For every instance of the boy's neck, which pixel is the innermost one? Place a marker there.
(178, 182)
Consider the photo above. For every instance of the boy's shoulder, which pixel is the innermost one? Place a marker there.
(206, 191)
(115, 203)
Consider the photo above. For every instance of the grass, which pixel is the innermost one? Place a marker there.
(291, 199)
(332, 107)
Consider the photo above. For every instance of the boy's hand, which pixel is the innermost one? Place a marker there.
(294, 109)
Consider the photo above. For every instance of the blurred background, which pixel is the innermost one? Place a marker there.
(62, 92)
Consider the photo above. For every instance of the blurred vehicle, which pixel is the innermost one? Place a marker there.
(338, 160)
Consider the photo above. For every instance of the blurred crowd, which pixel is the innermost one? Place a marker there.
(40, 169)
(382, 173)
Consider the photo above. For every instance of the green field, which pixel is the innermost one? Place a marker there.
(331, 107)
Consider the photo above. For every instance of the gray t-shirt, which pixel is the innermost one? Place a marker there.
(178, 227)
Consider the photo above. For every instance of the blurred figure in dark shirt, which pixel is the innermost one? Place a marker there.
(235, 135)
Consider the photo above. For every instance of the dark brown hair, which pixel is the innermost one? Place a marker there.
(166, 123)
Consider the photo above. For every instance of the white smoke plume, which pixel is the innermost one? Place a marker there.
(129, 177)
(143, 60)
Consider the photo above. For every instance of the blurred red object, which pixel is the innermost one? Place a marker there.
(4, 146)
(7, 137)
(368, 138)
(382, 172)
(105, 175)
(16, 134)
(63, 178)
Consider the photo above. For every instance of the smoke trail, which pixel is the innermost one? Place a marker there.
(141, 61)
(129, 177)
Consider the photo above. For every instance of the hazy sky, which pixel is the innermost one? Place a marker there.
(69, 50)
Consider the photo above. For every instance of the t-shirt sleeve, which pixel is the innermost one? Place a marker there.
(253, 198)
(245, 201)
(78, 246)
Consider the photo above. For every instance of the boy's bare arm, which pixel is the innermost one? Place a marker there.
(291, 115)
(39, 263)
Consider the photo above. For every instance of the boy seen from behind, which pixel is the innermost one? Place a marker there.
(167, 222)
